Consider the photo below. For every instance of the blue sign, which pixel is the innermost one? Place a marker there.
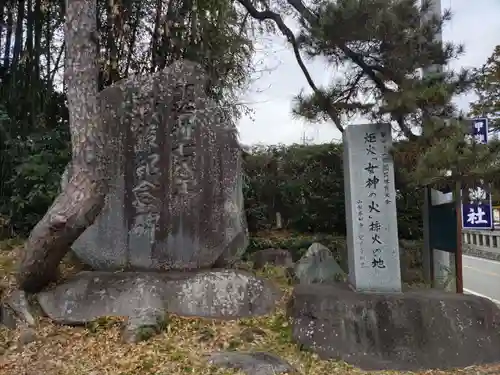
(480, 130)
(477, 211)
(477, 216)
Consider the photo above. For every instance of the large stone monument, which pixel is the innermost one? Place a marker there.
(176, 200)
(174, 212)
(372, 228)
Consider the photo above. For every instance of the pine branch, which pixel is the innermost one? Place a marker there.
(285, 30)
(356, 58)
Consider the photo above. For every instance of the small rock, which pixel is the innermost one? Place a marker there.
(290, 274)
(7, 317)
(19, 303)
(133, 335)
(28, 335)
(143, 326)
(257, 363)
(249, 334)
(242, 265)
(318, 266)
(274, 257)
(206, 334)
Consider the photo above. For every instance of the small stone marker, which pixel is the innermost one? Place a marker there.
(372, 229)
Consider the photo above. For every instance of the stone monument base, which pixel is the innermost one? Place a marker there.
(425, 329)
(146, 297)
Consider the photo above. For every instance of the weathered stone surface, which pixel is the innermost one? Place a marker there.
(407, 331)
(176, 197)
(257, 363)
(273, 257)
(17, 305)
(144, 324)
(318, 265)
(7, 317)
(27, 336)
(222, 294)
(16, 309)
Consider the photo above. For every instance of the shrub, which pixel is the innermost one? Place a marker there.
(305, 184)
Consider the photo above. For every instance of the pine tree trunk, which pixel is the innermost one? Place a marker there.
(83, 197)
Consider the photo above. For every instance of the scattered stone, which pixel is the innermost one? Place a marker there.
(318, 265)
(242, 265)
(176, 199)
(396, 331)
(257, 363)
(249, 334)
(291, 276)
(225, 294)
(206, 334)
(273, 257)
(143, 325)
(8, 317)
(27, 336)
(16, 306)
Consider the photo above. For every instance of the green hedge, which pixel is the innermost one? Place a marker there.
(306, 185)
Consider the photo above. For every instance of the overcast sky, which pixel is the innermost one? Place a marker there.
(475, 24)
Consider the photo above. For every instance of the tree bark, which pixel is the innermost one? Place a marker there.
(2, 8)
(8, 38)
(38, 15)
(135, 26)
(83, 197)
(156, 36)
(18, 36)
(112, 43)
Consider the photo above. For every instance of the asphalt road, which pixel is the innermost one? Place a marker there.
(481, 277)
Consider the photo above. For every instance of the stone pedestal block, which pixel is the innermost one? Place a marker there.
(403, 331)
(223, 294)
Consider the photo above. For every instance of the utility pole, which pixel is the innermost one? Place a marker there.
(305, 140)
(427, 256)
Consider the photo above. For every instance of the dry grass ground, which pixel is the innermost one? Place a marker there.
(181, 348)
